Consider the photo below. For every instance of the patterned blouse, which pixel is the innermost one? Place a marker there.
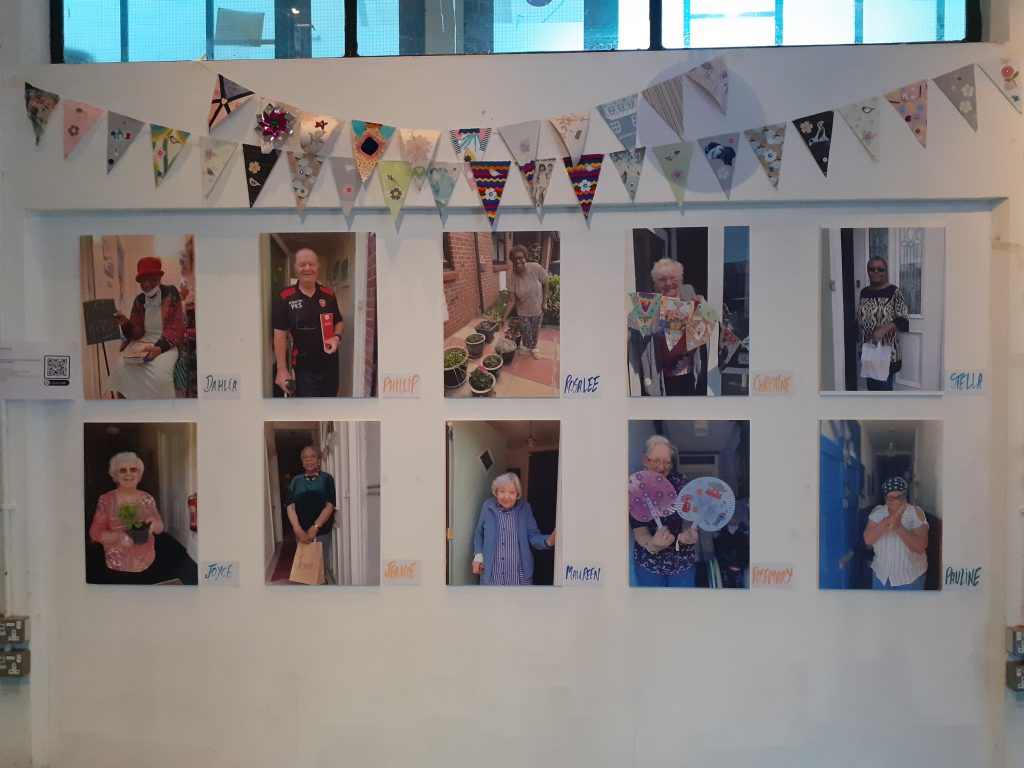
(878, 307)
(123, 557)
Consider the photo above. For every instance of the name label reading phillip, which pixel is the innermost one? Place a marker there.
(219, 573)
(400, 385)
(579, 574)
(221, 386)
(581, 386)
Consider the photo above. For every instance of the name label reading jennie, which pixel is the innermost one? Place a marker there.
(962, 577)
(581, 386)
(771, 575)
(402, 572)
(219, 573)
(400, 385)
(578, 574)
(967, 382)
(772, 383)
(221, 386)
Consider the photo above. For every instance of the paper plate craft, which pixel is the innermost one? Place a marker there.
(651, 497)
(646, 310)
(707, 502)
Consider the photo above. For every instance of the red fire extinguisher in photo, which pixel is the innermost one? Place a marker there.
(193, 512)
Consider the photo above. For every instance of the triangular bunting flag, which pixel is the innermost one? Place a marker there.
(275, 124)
(666, 98)
(257, 169)
(441, 177)
(572, 130)
(316, 133)
(620, 114)
(713, 77)
(767, 145)
(584, 175)
(228, 96)
(646, 312)
(469, 143)
(911, 101)
(720, 152)
(305, 170)
(79, 119)
(522, 140)
(816, 132)
(958, 86)
(674, 160)
(394, 178)
(121, 132)
(540, 177)
(167, 145)
(369, 143)
(1005, 73)
(629, 163)
(490, 177)
(418, 148)
(40, 105)
(346, 179)
(214, 155)
(864, 120)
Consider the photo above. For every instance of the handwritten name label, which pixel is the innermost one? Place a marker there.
(402, 572)
(579, 574)
(962, 577)
(219, 573)
(221, 386)
(967, 382)
(581, 386)
(400, 385)
(772, 383)
(771, 575)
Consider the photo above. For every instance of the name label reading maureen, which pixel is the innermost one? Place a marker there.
(219, 573)
(400, 385)
(579, 574)
(221, 386)
(771, 575)
(402, 572)
(581, 386)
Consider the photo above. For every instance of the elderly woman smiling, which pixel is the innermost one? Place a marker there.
(898, 532)
(126, 518)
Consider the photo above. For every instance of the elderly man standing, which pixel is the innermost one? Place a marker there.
(527, 295)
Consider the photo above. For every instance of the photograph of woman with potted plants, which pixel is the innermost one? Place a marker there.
(501, 330)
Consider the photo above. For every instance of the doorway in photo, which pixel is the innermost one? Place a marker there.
(880, 505)
(503, 503)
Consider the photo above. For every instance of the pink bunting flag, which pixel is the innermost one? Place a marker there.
(584, 176)
(490, 177)
(79, 119)
(911, 102)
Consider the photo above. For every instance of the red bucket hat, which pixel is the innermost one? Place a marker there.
(148, 265)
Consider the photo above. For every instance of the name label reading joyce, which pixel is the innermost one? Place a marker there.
(219, 573)
(772, 383)
(400, 385)
(581, 386)
(967, 382)
(221, 386)
(579, 574)
(962, 577)
(771, 575)
(402, 572)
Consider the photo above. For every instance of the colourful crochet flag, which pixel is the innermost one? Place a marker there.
(911, 101)
(258, 166)
(305, 170)
(442, 177)
(40, 105)
(816, 132)
(79, 119)
(583, 176)
(121, 133)
(674, 160)
(958, 87)
(167, 145)
(620, 115)
(418, 148)
(629, 163)
(214, 155)
(228, 96)
(369, 143)
(346, 179)
(767, 145)
(490, 177)
(864, 120)
(667, 99)
(394, 176)
(720, 152)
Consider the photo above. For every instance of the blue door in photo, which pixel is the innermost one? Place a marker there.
(839, 491)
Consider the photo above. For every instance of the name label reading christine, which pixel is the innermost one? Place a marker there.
(771, 575)
(219, 573)
(579, 574)
(221, 386)
(400, 385)
(581, 386)
(772, 383)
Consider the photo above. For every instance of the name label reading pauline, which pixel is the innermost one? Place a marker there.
(771, 575)
(962, 577)
(402, 572)
(581, 386)
(580, 574)
(221, 386)
(967, 382)
(400, 385)
(219, 573)
(772, 383)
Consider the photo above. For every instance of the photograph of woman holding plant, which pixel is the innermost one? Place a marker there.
(126, 518)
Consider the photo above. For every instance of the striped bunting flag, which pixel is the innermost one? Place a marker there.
(583, 176)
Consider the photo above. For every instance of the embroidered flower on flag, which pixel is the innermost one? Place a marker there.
(254, 167)
(806, 127)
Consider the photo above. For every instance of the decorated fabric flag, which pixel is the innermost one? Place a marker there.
(629, 164)
(864, 120)
(620, 114)
(258, 166)
(584, 175)
(39, 105)
(274, 124)
(666, 98)
(167, 145)
(305, 170)
(1005, 73)
(958, 86)
(720, 152)
(816, 132)
(674, 160)
(490, 177)
(79, 119)
(767, 145)
(572, 130)
(441, 177)
(214, 155)
(394, 178)
(228, 96)
(645, 312)
(369, 143)
(911, 101)
(316, 133)
(700, 325)
(418, 148)
(713, 77)
(675, 314)
(121, 132)
(522, 140)
(539, 177)
(469, 143)
(346, 179)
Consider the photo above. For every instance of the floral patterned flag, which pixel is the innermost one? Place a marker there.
(675, 314)
(214, 155)
(958, 86)
(346, 179)
(257, 169)
(394, 176)
(911, 101)
(629, 163)
(167, 145)
(305, 170)
(79, 119)
(490, 177)
(767, 145)
(713, 77)
(816, 132)
(418, 148)
(228, 96)
(667, 99)
(620, 114)
(537, 176)
(864, 120)
(275, 124)
(121, 132)
(469, 143)
(584, 175)
(572, 130)
(674, 160)
(645, 312)
(442, 178)
(522, 140)
(316, 133)
(40, 105)
(720, 152)
(369, 143)
(1005, 73)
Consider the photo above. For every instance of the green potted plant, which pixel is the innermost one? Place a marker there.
(138, 530)
(553, 309)
(481, 383)
(506, 348)
(492, 364)
(456, 360)
(475, 345)
(487, 327)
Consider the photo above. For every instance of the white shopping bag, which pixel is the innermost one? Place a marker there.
(874, 361)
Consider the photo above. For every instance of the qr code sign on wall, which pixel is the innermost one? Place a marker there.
(56, 370)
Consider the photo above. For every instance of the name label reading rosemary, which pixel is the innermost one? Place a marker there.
(222, 386)
(771, 575)
(400, 385)
(581, 386)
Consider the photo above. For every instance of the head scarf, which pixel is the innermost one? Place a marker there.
(894, 484)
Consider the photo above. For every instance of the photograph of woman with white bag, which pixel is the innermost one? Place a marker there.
(882, 315)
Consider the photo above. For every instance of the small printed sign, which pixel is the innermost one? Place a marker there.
(221, 386)
(39, 371)
(771, 383)
(219, 573)
(409, 572)
(962, 577)
(771, 575)
(583, 574)
(400, 385)
(967, 382)
(581, 386)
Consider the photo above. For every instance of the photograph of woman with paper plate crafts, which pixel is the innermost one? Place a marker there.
(139, 318)
(322, 511)
(503, 509)
(502, 314)
(880, 505)
(689, 504)
(882, 309)
(688, 311)
(141, 507)
(319, 314)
